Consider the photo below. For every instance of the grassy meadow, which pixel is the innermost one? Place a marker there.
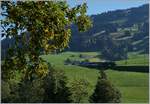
(135, 59)
(133, 85)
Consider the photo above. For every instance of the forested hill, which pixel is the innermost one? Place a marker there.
(115, 31)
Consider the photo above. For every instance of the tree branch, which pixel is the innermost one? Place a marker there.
(4, 14)
(4, 28)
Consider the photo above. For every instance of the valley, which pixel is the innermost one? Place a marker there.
(133, 85)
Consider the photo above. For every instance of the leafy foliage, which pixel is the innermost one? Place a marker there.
(5, 91)
(55, 86)
(30, 92)
(38, 26)
(50, 89)
(79, 90)
(47, 24)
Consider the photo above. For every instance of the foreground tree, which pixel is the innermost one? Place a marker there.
(5, 91)
(50, 89)
(28, 92)
(79, 90)
(38, 26)
(105, 92)
(55, 87)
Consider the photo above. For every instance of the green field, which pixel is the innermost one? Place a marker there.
(133, 85)
(135, 59)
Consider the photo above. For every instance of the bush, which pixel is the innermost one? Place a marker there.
(86, 60)
(67, 61)
(105, 92)
(5, 88)
(31, 92)
(50, 89)
(80, 55)
(55, 88)
(79, 90)
(72, 56)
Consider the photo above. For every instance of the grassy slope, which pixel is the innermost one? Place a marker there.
(135, 59)
(133, 85)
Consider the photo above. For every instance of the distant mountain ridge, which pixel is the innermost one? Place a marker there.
(128, 26)
(115, 31)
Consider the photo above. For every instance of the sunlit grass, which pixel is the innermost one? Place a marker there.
(133, 85)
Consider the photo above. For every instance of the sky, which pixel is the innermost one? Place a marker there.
(99, 6)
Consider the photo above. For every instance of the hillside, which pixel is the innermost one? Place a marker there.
(127, 28)
(44, 62)
(114, 32)
(125, 81)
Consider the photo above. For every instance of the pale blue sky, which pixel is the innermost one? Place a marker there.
(99, 6)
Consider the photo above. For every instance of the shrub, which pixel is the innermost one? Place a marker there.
(5, 92)
(50, 89)
(55, 87)
(72, 56)
(67, 61)
(86, 60)
(79, 90)
(9, 91)
(31, 92)
(80, 55)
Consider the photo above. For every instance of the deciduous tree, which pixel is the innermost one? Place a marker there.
(47, 24)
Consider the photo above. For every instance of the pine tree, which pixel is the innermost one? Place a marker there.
(105, 92)
(55, 86)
